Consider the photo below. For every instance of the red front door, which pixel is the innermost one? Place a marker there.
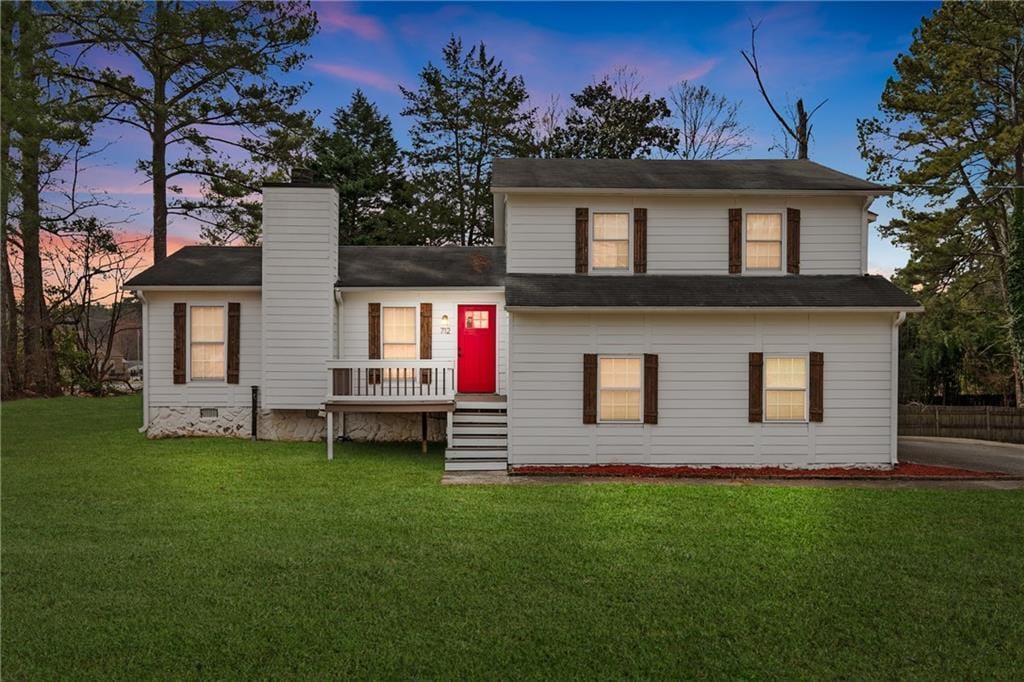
(477, 354)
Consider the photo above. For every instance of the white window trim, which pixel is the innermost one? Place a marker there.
(628, 270)
(783, 265)
(638, 420)
(188, 336)
(806, 357)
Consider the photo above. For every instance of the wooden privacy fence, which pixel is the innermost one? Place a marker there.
(1005, 424)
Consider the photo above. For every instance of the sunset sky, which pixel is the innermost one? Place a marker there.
(840, 51)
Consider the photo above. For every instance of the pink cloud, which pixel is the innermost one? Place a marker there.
(122, 182)
(699, 70)
(374, 79)
(339, 16)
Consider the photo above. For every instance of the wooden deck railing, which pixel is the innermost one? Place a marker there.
(390, 380)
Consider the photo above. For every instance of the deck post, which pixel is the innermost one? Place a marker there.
(423, 432)
(330, 435)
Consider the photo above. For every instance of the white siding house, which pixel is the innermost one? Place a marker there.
(703, 389)
(691, 233)
(652, 313)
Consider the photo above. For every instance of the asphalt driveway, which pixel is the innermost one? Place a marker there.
(1007, 458)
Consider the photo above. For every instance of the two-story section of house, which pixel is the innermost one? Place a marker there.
(695, 313)
(657, 313)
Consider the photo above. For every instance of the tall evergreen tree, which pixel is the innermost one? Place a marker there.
(361, 157)
(203, 81)
(42, 111)
(951, 134)
(612, 119)
(466, 112)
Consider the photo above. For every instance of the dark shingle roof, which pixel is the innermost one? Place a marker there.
(358, 266)
(705, 291)
(421, 266)
(205, 266)
(647, 174)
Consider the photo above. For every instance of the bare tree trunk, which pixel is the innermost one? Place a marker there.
(10, 372)
(40, 375)
(803, 133)
(159, 191)
(158, 135)
(40, 368)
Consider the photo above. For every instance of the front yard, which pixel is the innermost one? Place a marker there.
(124, 557)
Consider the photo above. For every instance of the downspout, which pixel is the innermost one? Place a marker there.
(339, 308)
(894, 405)
(865, 234)
(145, 361)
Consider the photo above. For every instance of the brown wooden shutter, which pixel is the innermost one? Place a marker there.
(234, 340)
(735, 240)
(426, 340)
(180, 310)
(640, 240)
(793, 240)
(582, 240)
(373, 375)
(755, 411)
(817, 397)
(589, 388)
(650, 388)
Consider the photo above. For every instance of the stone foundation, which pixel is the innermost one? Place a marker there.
(393, 426)
(290, 425)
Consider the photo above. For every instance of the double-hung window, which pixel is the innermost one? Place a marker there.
(398, 338)
(620, 389)
(785, 389)
(764, 241)
(207, 343)
(611, 242)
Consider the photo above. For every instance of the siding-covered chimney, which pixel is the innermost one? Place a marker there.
(300, 268)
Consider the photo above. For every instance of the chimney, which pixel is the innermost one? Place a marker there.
(300, 269)
(302, 176)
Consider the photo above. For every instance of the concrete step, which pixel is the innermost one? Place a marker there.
(471, 429)
(481, 464)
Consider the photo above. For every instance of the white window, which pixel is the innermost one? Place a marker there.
(611, 242)
(478, 319)
(785, 382)
(398, 339)
(207, 342)
(764, 241)
(620, 386)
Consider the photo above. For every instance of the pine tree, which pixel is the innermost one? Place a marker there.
(466, 112)
(361, 157)
(611, 119)
(951, 134)
(197, 74)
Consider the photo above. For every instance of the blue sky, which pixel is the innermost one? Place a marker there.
(840, 51)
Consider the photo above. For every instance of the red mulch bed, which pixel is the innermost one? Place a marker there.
(900, 471)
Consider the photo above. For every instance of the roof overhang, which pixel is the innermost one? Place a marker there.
(708, 309)
(191, 287)
(694, 192)
(342, 288)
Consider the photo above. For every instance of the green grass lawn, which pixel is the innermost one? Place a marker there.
(123, 557)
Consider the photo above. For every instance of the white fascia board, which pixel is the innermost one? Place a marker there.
(191, 287)
(474, 290)
(693, 192)
(682, 308)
